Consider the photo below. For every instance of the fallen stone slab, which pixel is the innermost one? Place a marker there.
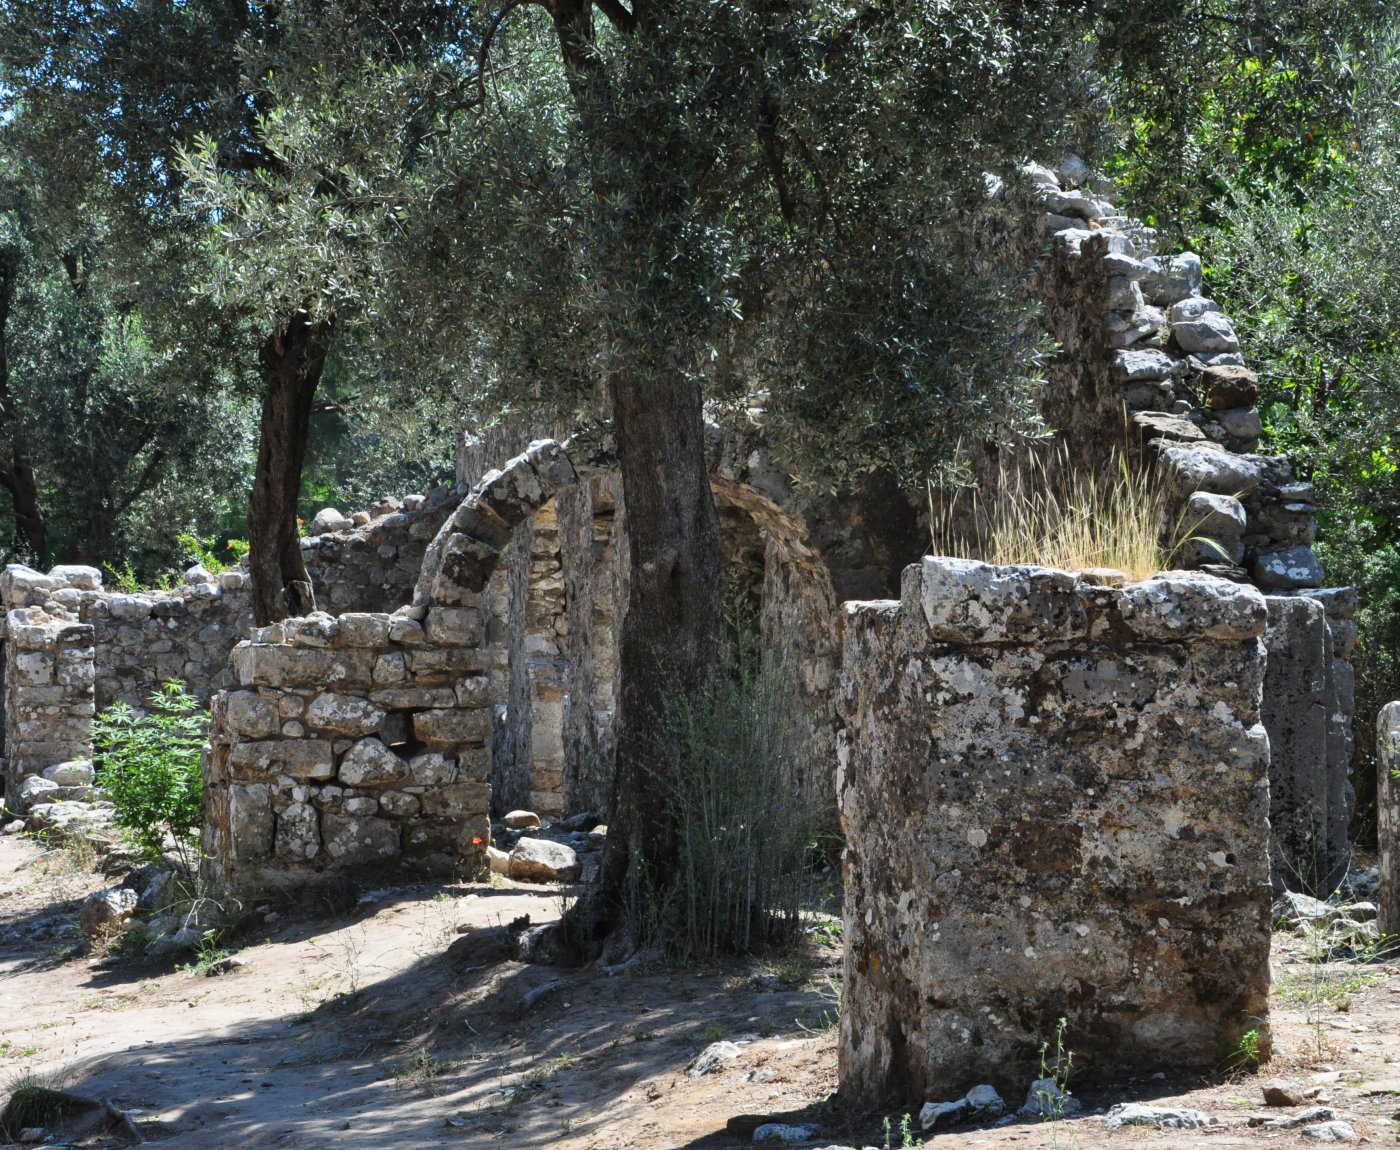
(1162, 1117)
(782, 1132)
(1330, 1132)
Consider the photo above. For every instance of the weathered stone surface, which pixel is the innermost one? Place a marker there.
(1002, 848)
(251, 714)
(1229, 387)
(454, 626)
(336, 714)
(432, 770)
(1132, 366)
(522, 820)
(1287, 569)
(1207, 332)
(74, 773)
(1300, 697)
(32, 792)
(1241, 423)
(369, 763)
(540, 860)
(1158, 425)
(329, 519)
(353, 841)
(1172, 280)
(452, 727)
(1161, 1117)
(1217, 472)
(966, 601)
(104, 911)
(1217, 517)
(1388, 816)
(298, 833)
(297, 758)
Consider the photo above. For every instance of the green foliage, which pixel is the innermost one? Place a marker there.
(149, 766)
(203, 551)
(1309, 270)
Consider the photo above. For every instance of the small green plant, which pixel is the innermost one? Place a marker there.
(1245, 1053)
(1052, 1097)
(907, 1140)
(122, 578)
(202, 551)
(208, 954)
(149, 766)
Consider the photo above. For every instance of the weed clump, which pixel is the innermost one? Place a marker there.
(747, 811)
(1048, 512)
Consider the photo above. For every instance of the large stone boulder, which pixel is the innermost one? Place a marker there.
(540, 860)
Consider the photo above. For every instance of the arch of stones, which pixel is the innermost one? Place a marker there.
(1062, 796)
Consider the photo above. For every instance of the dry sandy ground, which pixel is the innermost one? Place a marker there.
(396, 1024)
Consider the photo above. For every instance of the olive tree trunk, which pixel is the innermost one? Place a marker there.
(290, 362)
(16, 466)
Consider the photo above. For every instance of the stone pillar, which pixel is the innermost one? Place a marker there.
(1298, 688)
(1388, 815)
(1055, 796)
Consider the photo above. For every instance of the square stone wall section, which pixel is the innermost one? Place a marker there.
(1056, 800)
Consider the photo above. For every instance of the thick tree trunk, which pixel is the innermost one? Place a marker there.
(17, 468)
(291, 362)
(671, 632)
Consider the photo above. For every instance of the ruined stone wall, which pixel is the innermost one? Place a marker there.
(1146, 364)
(369, 561)
(73, 648)
(1055, 797)
(364, 740)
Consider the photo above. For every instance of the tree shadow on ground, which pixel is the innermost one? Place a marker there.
(463, 1047)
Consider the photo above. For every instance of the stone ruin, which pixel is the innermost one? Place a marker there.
(1053, 787)
(1056, 795)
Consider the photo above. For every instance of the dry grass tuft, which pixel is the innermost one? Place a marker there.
(1046, 512)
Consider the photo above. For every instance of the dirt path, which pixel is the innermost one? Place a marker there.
(399, 1025)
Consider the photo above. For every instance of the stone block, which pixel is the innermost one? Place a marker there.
(1228, 387)
(540, 860)
(512, 492)
(1287, 569)
(353, 841)
(432, 769)
(275, 665)
(457, 800)
(298, 837)
(78, 577)
(33, 668)
(465, 567)
(369, 763)
(1028, 811)
(362, 629)
(298, 758)
(1207, 469)
(454, 626)
(252, 823)
(964, 600)
(335, 714)
(408, 698)
(249, 713)
(450, 727)
(1208, 332)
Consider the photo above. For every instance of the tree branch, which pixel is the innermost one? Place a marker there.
(619, 17)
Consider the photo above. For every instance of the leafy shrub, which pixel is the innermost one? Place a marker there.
(149, 766)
